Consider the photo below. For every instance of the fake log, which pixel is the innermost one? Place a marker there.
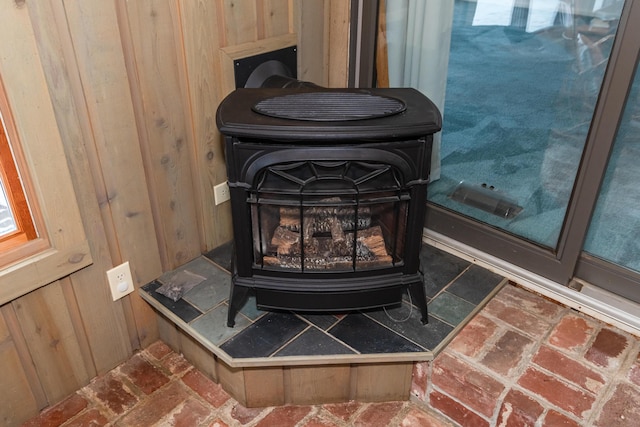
(334, 251)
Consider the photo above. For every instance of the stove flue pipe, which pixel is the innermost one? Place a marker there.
(274, 74)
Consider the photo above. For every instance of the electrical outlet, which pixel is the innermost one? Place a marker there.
(221, 193)
(120, 280)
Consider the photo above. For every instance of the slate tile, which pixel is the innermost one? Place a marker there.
(428, 336)
(313, 342)
(181, 308)
(439, 268)
(222, 255)
(450, 308)
(211, 292)
(250, 309)
(475, 284)
(213, 325)
(265, 336)
(321, 320)
(369, 337)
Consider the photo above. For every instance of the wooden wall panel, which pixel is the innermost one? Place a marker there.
(390, 381)
(27, 368)
(154, 72)
(106, 330)
(311, 384)
(338, 43)
(135, 86)
(202, 61)
(52, 341)
(127, 210)
(240, 22)
(18, 402)
(275, 18)
(313, 38)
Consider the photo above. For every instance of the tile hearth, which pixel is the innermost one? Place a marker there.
(455, 289)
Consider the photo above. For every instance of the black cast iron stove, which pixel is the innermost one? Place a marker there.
(328, 196)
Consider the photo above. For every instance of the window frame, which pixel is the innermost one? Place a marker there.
(16, 196)
(61, 246)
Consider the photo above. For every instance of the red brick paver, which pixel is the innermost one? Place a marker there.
(378, 414)
(471, 340)
(456, 411)
(508, 352)
(623, 409)
(284, 416)
(466, 384)
(143, 374)
(419, 380)
(110, 391)
(518, 409)
(60, 413)
(569, 369)
(608, 349)
(207, 389)
(556, 419)
(572, 333)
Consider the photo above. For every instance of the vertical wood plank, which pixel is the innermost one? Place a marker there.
(264, 387)
(274, 18)
(154, 72)
(382, 55)
(18, 403)
(127, 211)
(53, 345)
(199, 356)
(21, 394)
(78, 326)
(376, 383)
(339, 36)
(232, 381)
(201, 44)
(313, 41)
(326, 384)
(169, 333)
(106, 331)
(240, 21)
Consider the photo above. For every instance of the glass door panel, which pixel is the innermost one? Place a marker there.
(614, 233)
(7, 220)
(522, 80)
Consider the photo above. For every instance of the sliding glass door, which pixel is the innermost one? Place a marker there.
(613, 237)
(531, 93)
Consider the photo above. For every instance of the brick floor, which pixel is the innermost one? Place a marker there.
(522, 361)
(158, 387)
(527, 361)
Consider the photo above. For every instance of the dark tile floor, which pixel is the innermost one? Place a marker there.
(456, 290)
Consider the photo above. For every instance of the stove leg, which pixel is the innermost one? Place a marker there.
(237, 299)
(419, 297)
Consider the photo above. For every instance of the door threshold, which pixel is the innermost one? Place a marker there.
(591, 300)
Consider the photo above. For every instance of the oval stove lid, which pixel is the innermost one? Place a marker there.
(329, 106)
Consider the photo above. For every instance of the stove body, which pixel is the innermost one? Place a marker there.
(328, 196)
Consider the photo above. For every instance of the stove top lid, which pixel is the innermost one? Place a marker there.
(320, 114)
(330, 106)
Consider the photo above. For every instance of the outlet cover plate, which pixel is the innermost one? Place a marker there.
(120, 281)
(221, 193)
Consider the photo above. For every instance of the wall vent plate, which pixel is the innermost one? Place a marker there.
(280, 61)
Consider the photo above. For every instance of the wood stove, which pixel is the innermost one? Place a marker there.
(328, 195)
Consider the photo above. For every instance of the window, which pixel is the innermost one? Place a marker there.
(22, 231)
(16, 222)
(59, 246)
